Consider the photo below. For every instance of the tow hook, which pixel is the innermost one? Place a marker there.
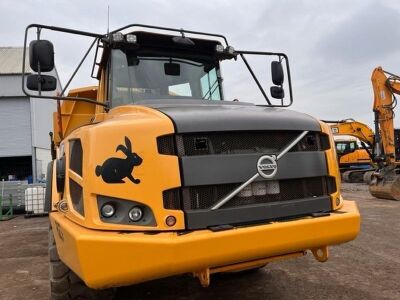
(321, 254)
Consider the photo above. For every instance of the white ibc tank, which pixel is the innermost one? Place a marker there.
(34, 200)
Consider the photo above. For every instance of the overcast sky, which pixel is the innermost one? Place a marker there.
(333, 46)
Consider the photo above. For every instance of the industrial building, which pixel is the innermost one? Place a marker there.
(25, 123)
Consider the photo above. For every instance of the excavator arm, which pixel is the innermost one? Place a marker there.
(385, 86)
(353, 128)
(385, 182)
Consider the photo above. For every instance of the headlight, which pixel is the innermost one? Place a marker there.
(131, 38)
(135, 214)
(107, 210)
(127, 212)
(117, 37)
(219, 48)
(170, 221)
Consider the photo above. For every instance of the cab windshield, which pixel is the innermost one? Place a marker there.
(135, 78)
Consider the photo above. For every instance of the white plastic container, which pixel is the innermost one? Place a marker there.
(34, 200)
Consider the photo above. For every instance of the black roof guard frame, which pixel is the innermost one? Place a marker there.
(98, 37)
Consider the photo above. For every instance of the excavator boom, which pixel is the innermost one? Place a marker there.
(353, 128)
(385, 182)
(384, 87)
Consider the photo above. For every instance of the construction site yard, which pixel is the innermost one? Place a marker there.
(367, 268)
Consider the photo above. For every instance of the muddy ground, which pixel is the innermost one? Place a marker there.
(367, 268)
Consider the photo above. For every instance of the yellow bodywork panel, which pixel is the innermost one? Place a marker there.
(105, 258)
(333, 167)
(359, 156)
(157, 172)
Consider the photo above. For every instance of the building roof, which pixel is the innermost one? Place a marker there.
(11, 60)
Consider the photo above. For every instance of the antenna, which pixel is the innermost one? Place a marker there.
(108, 19)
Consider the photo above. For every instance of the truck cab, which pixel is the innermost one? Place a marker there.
(157, 174)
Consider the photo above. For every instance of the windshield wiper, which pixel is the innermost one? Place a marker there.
(211, 90)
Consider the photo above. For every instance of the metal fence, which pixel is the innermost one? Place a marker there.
(25, 198)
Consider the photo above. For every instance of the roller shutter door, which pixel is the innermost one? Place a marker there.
(15, 128)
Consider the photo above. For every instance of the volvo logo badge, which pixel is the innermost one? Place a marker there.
(267, 166)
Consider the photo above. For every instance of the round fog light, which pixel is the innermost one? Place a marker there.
(135, 214)
(170, 221)
(107, 210)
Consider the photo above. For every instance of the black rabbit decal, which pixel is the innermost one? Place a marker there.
(114, 169)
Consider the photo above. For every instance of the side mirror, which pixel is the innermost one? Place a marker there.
(45, 82)
(277, 72)
(277, 92)
(41, 55)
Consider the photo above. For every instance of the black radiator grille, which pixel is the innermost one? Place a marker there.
(166, 145)
(264, 142)
(204, 197)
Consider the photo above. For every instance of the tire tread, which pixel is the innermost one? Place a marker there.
(65, 284)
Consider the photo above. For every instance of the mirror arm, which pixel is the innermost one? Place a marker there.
(87, 100)
(78, 67)
(280, 55)
(280, 60)
(255, 78)
(38, 31)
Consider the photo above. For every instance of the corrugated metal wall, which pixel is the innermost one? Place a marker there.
(42, 121)
(10, 86)
(15, 128)
(24, 123)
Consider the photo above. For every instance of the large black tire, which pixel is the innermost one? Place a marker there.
(65, 284)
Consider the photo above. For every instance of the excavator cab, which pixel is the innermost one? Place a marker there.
(345, 147)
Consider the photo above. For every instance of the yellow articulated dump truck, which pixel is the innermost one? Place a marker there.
(155, 173)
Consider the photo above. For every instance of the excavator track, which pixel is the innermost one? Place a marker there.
(355, 176)
(368, 176)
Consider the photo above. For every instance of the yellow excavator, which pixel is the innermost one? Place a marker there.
(354, 161)
(385, 182)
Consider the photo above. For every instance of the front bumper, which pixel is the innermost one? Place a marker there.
(105, 259)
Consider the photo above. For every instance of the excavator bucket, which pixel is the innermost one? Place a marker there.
(368, 177)
(386, 186)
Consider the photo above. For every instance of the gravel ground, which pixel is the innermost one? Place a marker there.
(367, 268)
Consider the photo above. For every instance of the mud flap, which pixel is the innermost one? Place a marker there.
(49, 181)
